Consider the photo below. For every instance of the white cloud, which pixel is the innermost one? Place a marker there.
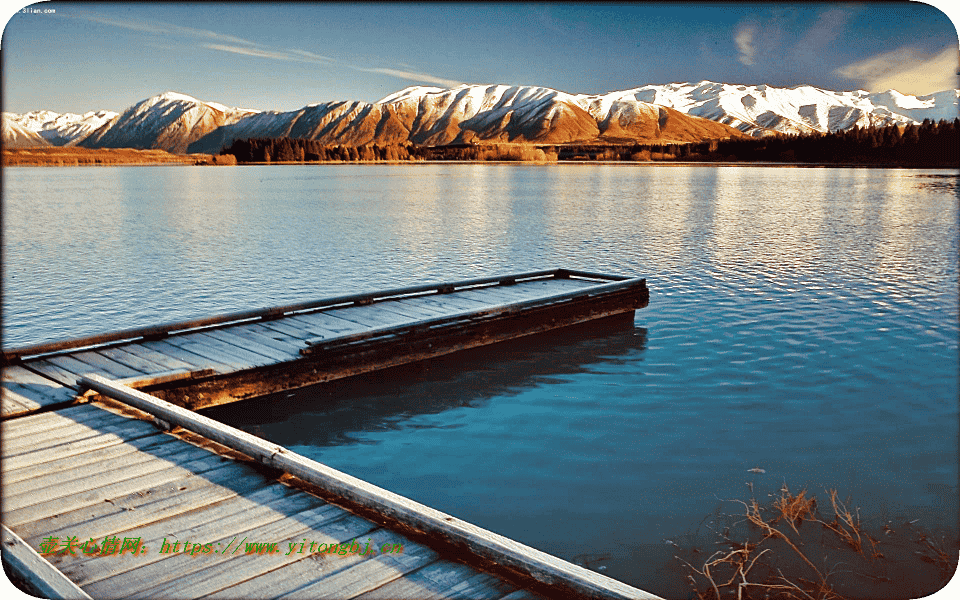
(251, 51)
(907, 70)
(744, 40)
(411, 76)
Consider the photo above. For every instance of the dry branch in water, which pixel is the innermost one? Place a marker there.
(790, 550)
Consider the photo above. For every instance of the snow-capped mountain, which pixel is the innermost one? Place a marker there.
(62, 129)
(676, 112)
(763, 109)
(16, 135)
(170, 121)
(470, 114)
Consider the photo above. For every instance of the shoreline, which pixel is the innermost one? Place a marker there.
(86, 157)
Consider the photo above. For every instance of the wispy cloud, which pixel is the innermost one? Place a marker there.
(907, 70)
(251, 51)
(212, 40)
(745, 45)
(409, 75)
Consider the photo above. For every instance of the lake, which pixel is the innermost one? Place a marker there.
(802, 321)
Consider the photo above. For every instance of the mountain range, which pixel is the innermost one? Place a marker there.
(671, 113)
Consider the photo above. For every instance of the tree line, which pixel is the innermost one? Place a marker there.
(929, 144)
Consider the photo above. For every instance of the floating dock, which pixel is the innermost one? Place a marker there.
(103, 478)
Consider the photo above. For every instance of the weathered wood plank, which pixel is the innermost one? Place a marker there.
(425, 305)
(83, 467)
(99, 361)
(442, 580)
(408, 310)
(214, 572)
(157, 503)
(39, 574)
(76, 447)
(97, 455)
(63, 417)
(228, 336)
(268, 337)
(78, 367)
(513, 555)
(371, 315)
(331, 323)
(459, 301)
(43, 386)
(367, 574)
(305, 569)
(135, 464)
(209, 348)
(13, 403)
(140, 364)
(223, 518)
(169, 362)
(286, 327)
(60, 435)
(198, 361)
(170, 472)
(297, 570)
(56, 373)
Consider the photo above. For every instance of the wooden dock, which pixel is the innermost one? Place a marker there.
(232, 357)
(107, 474)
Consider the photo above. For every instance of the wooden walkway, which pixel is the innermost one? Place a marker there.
(113, 476)
(243, 355)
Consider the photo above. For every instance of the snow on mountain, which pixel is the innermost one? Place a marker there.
(467, 114)
(16, 135)
(63, 129)
(170, 121)
(763, 109)
(423, 115)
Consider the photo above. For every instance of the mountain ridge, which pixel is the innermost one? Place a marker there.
(423, 115)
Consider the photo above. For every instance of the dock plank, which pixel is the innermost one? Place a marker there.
(235, 358)
(52, 371)
(140, 350)
(269, 337)
(133, 511)
(197, 361)
(230, 336)
(137, 463)
(213, 573)
(367, 574)
(62, 417)
(76, 447)
(58, 435)
(331, 324)
(13, 476)
(37, 388)
(170, 473)
(99, 361)
(286, 327)
(287, 569)
(409, 311)
(442, 579)
(307, 569)
(143, 365)
(370, 316)
(225, 517)
(93, 466)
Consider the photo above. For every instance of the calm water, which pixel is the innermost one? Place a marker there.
(803, 321)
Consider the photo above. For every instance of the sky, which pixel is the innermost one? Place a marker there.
(77, 57)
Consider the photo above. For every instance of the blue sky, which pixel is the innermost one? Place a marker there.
(282, 56)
